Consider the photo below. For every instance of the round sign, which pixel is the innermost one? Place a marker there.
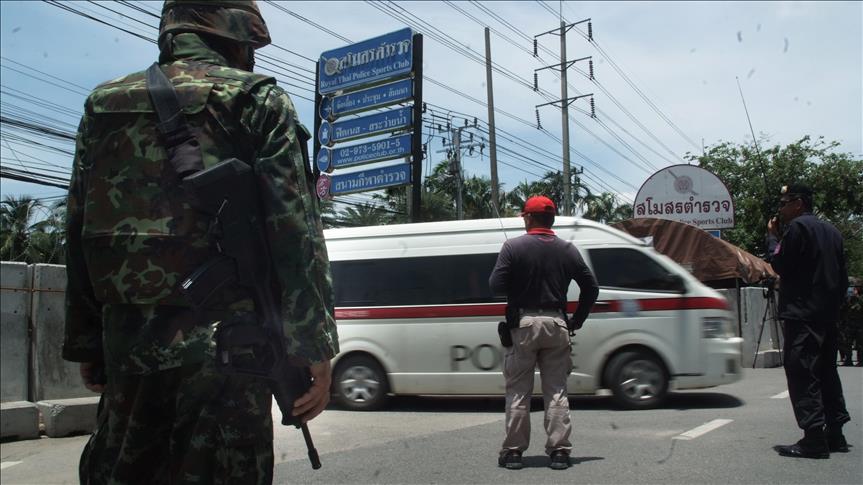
(326, 108)
(324, 160)
(324, 133)
(322, 186)
(687, 194)
(331, 66)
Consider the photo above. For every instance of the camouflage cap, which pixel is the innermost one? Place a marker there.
(236, 20)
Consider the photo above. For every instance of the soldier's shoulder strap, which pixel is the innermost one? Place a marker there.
(184, 152)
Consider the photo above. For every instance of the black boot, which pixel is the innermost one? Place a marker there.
(813, 445)
(836, 440)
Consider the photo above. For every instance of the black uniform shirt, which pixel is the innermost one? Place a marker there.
(534, 271)
(811, 264)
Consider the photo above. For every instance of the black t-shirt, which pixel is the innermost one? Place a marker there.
(534, 271)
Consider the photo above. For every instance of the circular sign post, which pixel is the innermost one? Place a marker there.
(325, 133)
(326, 108)
(324, 159)
(322, 186)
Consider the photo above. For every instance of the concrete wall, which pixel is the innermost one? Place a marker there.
(14, 338)
(33, 369)
(53, 378)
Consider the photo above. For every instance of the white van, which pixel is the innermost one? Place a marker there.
(415, 315)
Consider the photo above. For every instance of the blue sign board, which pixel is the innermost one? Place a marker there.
(376, 97)
(329, 159)
(392, 120)
(369, 61)
(370, 179)
(715, 233)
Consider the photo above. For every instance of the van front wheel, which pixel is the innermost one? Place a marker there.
(637, 380)
(360, 384)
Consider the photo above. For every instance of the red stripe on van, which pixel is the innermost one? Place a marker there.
(497, 309)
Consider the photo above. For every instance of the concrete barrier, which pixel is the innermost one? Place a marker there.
(33, 369)
(19, 420)
(64, 417)
(53, 378)
(14, 331)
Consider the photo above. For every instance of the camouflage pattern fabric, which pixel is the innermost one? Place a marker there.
(236, 20)
(167, 415)
(189, 425)
(132, 236)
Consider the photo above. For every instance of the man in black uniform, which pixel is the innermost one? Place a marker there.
(534, 272)
(810, 260)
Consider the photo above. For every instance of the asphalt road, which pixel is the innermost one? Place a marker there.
(716, 436)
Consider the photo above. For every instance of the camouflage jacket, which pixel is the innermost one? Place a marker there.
(132, 235)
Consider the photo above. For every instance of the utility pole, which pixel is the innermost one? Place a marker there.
(567, 189)
(491, 134)
(453, 151)
(564, 100)
(455, 168)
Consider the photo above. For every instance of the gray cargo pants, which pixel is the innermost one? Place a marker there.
(542, 339)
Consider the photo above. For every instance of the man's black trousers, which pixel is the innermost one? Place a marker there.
(813, 382)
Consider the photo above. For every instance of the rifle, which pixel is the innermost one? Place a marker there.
(227, 192)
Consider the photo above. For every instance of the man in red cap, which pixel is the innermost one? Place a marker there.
(534, 272)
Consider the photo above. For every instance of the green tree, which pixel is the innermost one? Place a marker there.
(755, 181)
(551, 186)
(329, 216)
(30, 232)
(48, 237)
(605, 208)
(366, 214)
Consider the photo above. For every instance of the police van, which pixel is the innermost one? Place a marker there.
(415, 315)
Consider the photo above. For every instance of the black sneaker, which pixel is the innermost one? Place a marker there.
(511, 460)
(559, 460)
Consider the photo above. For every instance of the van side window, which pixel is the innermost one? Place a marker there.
(432, 280)
(628, 268)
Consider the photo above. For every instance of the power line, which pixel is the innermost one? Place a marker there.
(85, 15)
(462, 94)
(600, 111)
(316, 25)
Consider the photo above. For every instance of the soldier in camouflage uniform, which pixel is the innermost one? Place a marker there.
(167, 415)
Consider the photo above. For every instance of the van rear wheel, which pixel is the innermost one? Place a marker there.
(360, 384)
(637, 380)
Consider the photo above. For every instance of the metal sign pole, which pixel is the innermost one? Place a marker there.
(417, 148)
(317, 143)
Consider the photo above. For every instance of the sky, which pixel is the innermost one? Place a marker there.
(799, 67)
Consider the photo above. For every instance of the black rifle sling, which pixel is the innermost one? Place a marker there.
(184, 152)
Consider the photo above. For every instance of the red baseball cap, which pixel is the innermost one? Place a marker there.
(539, 203)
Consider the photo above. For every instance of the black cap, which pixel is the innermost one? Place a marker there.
(797, 189)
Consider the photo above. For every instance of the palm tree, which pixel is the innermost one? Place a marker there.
(477, 198)
(48, 236)
(366, 214)
(605, 208)
(329, 217)
(16, 214)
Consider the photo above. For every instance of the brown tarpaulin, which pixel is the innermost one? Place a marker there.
(712, 260)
